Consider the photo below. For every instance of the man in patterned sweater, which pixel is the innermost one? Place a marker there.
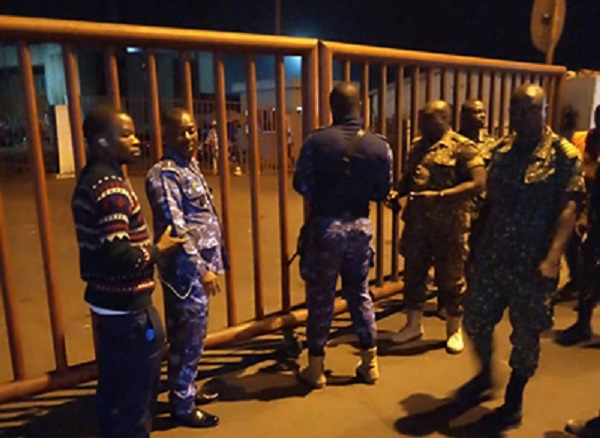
(116, 261)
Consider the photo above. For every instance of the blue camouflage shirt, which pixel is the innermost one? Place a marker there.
(180, 197)
(321, 175)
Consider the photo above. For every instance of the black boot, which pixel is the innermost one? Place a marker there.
(510, 414)
(584, 429)
(581, 331)
(574, 335)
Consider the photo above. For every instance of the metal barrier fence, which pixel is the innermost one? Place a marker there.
(26, 31)
(486, 79)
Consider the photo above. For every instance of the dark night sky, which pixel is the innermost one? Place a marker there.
(491, 28)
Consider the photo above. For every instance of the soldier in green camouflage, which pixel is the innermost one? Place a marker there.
(535, 185)
(472, 124)
(444, 172)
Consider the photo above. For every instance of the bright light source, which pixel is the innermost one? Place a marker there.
(299, 109)
(133, 50)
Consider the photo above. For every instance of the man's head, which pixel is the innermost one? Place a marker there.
(472, 115)
(110, 135)
(434, 120)
(528, 111)
(345, 101)
(180, 131)
(568, 122)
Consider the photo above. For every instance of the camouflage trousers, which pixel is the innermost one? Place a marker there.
(337, 247)
(446, 250)
(493, 288)
(187, 321)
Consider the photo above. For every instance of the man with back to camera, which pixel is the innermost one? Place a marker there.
(340, 169)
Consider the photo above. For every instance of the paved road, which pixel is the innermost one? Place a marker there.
(261, 400)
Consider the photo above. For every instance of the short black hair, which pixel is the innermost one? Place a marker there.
(344, 100)
(568, 120)
(172, 116)
(98, 121)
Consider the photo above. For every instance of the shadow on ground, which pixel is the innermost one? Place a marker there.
(73, 414)
(428, 415)
(51, 416)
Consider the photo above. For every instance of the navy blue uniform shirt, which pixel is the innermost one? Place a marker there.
(321, 174)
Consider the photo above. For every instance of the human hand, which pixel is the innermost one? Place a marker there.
(210, 282)
(549, 268)
(392, 201)
(168, 242)
(581, 226)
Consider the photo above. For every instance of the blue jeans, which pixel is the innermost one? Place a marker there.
(129, 350)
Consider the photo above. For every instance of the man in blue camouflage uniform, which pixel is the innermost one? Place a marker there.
(340, 169)
(535, 185)
(444, 172)
(180, 197)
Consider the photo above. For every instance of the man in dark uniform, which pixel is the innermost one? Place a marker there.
(340, 169)
(588, 297)
(444, 171)
(535, 185)
(180, 197)
(581, 331)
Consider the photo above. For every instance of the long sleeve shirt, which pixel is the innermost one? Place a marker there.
(115, 251)
(333, 187)
(180, 197)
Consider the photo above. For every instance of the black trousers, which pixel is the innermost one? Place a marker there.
(129, 354)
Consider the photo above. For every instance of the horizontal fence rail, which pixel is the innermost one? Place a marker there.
(258, 137)
(425, 77)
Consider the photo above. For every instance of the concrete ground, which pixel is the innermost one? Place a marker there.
(260, 395)
(261, 398)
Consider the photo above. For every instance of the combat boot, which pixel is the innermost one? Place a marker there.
(584, 429)
(454, 338)
(368, 367)
(574, 334)
(413, 329)
(314, 374)
(510, 414)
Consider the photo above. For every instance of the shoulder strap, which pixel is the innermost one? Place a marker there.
(352, 150)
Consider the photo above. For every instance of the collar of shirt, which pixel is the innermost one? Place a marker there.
(543, 148)
(351, 121)
(180, 160)
(108, 167)
(444, 142)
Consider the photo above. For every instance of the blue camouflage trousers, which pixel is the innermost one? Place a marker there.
(335, 247)
(187, 321)
(495, 287)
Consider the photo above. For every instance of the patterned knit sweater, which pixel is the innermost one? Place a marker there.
(115, 251)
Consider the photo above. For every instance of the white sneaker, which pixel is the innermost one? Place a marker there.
(454, 339)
